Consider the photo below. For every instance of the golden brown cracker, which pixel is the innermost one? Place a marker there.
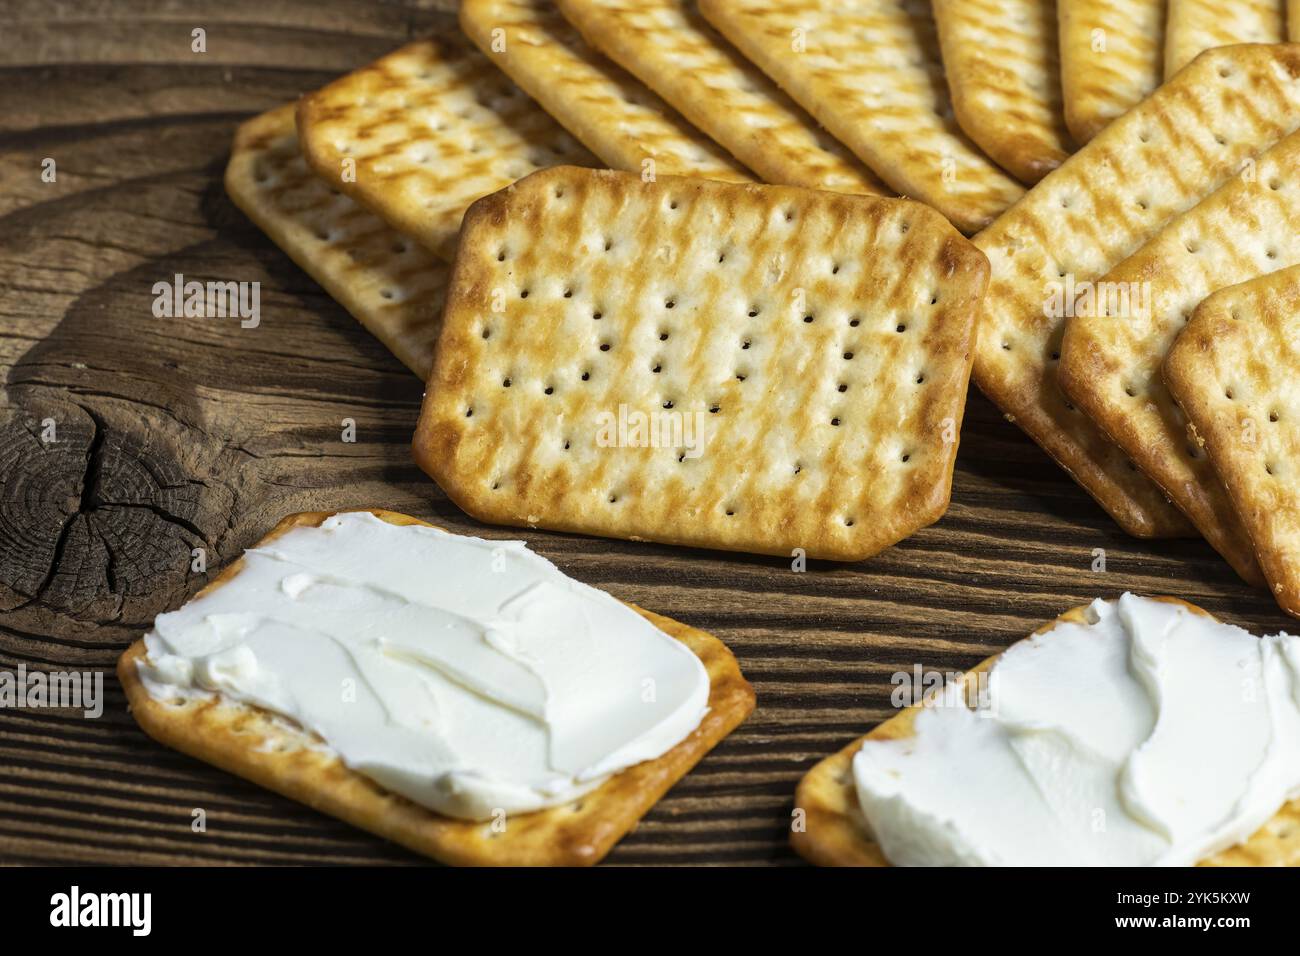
(421, 133)
(815, 344)
(260, 747)
(1196, 25)
(1112, 56)
(1233, 371)
(608, 109)
(870, 71)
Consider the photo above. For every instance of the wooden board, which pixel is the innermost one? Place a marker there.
(195, 433)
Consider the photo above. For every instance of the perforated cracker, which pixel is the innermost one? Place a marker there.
(816, 345)
(1233, 370)
(1112, 55)
(835, 831)
(421, 133)
(1105, 201)
(671, 49)
(609, 110)
(389, 283)
(1111, 357)
(275, 754)
(1196, 25)
(871, 72)
(1003, 70)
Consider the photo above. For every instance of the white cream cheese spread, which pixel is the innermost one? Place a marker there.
(1149, 736)
(471, 676)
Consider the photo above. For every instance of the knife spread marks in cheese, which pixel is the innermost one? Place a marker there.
(1150, 736)
(472, 677)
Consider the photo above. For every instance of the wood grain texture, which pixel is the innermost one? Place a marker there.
(178, 434)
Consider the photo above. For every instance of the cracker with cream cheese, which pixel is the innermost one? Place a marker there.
(833, 831)
(260, 747)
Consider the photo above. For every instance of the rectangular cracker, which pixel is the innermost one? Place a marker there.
(269, 751)
(609, 110)
(671, 49)
(821, 342)
(1233, 370)
(871, 72)
(1154, 162)
(1002, 61)
(389, 283)
(1110, 364)
(835, 831)
(1112, 56)
(421, 133)
(1196, 25)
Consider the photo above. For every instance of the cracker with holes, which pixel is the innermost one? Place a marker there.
(1113, 348)
(460, 697)
(1161, 158)
(1233, 372)
(609, 110)
(749, 368)
(390, 284)
(870, 72)
(670, 48)
(1196, 25)
(1111, 57)
(421, 133)
(1001, 61)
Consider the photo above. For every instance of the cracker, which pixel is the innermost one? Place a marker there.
(258, 746)
(421, 133)
(672, 50)
(1002, 62)
(819, 342)
(390, 284)
(1110, 364)
(871, 73)
(835, 831)
(1233, 371)
(1111, 58)
(1105, 201)
(609, 110)
(1196, 25)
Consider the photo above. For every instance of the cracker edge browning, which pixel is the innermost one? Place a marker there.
(577, 834)
(835, 829)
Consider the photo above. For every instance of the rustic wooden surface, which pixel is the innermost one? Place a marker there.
(178, 434)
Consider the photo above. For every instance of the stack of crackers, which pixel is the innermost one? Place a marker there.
(650, 259)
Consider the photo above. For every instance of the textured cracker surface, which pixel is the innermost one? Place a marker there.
(1196, 25)
(822, 340)
(872, 74)
(260, 747)
(1002, 63)
(601, 104)
(1104, 202)
(1234, 372)
(1112, 55)
(429, 128)
(670, 48)
(1110, 364)
(836, 831)
(390, 284)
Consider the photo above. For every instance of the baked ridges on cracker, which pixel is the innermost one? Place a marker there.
(1233, 370)
(1161, 158)
(755, 368)
(1112, 55)
(421, 133)
(1110, 359)
(1002, 63)
(672, 50)
(870, 72)
(609, 110)
(274, 754)
(388, 282)
(1196, 25)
